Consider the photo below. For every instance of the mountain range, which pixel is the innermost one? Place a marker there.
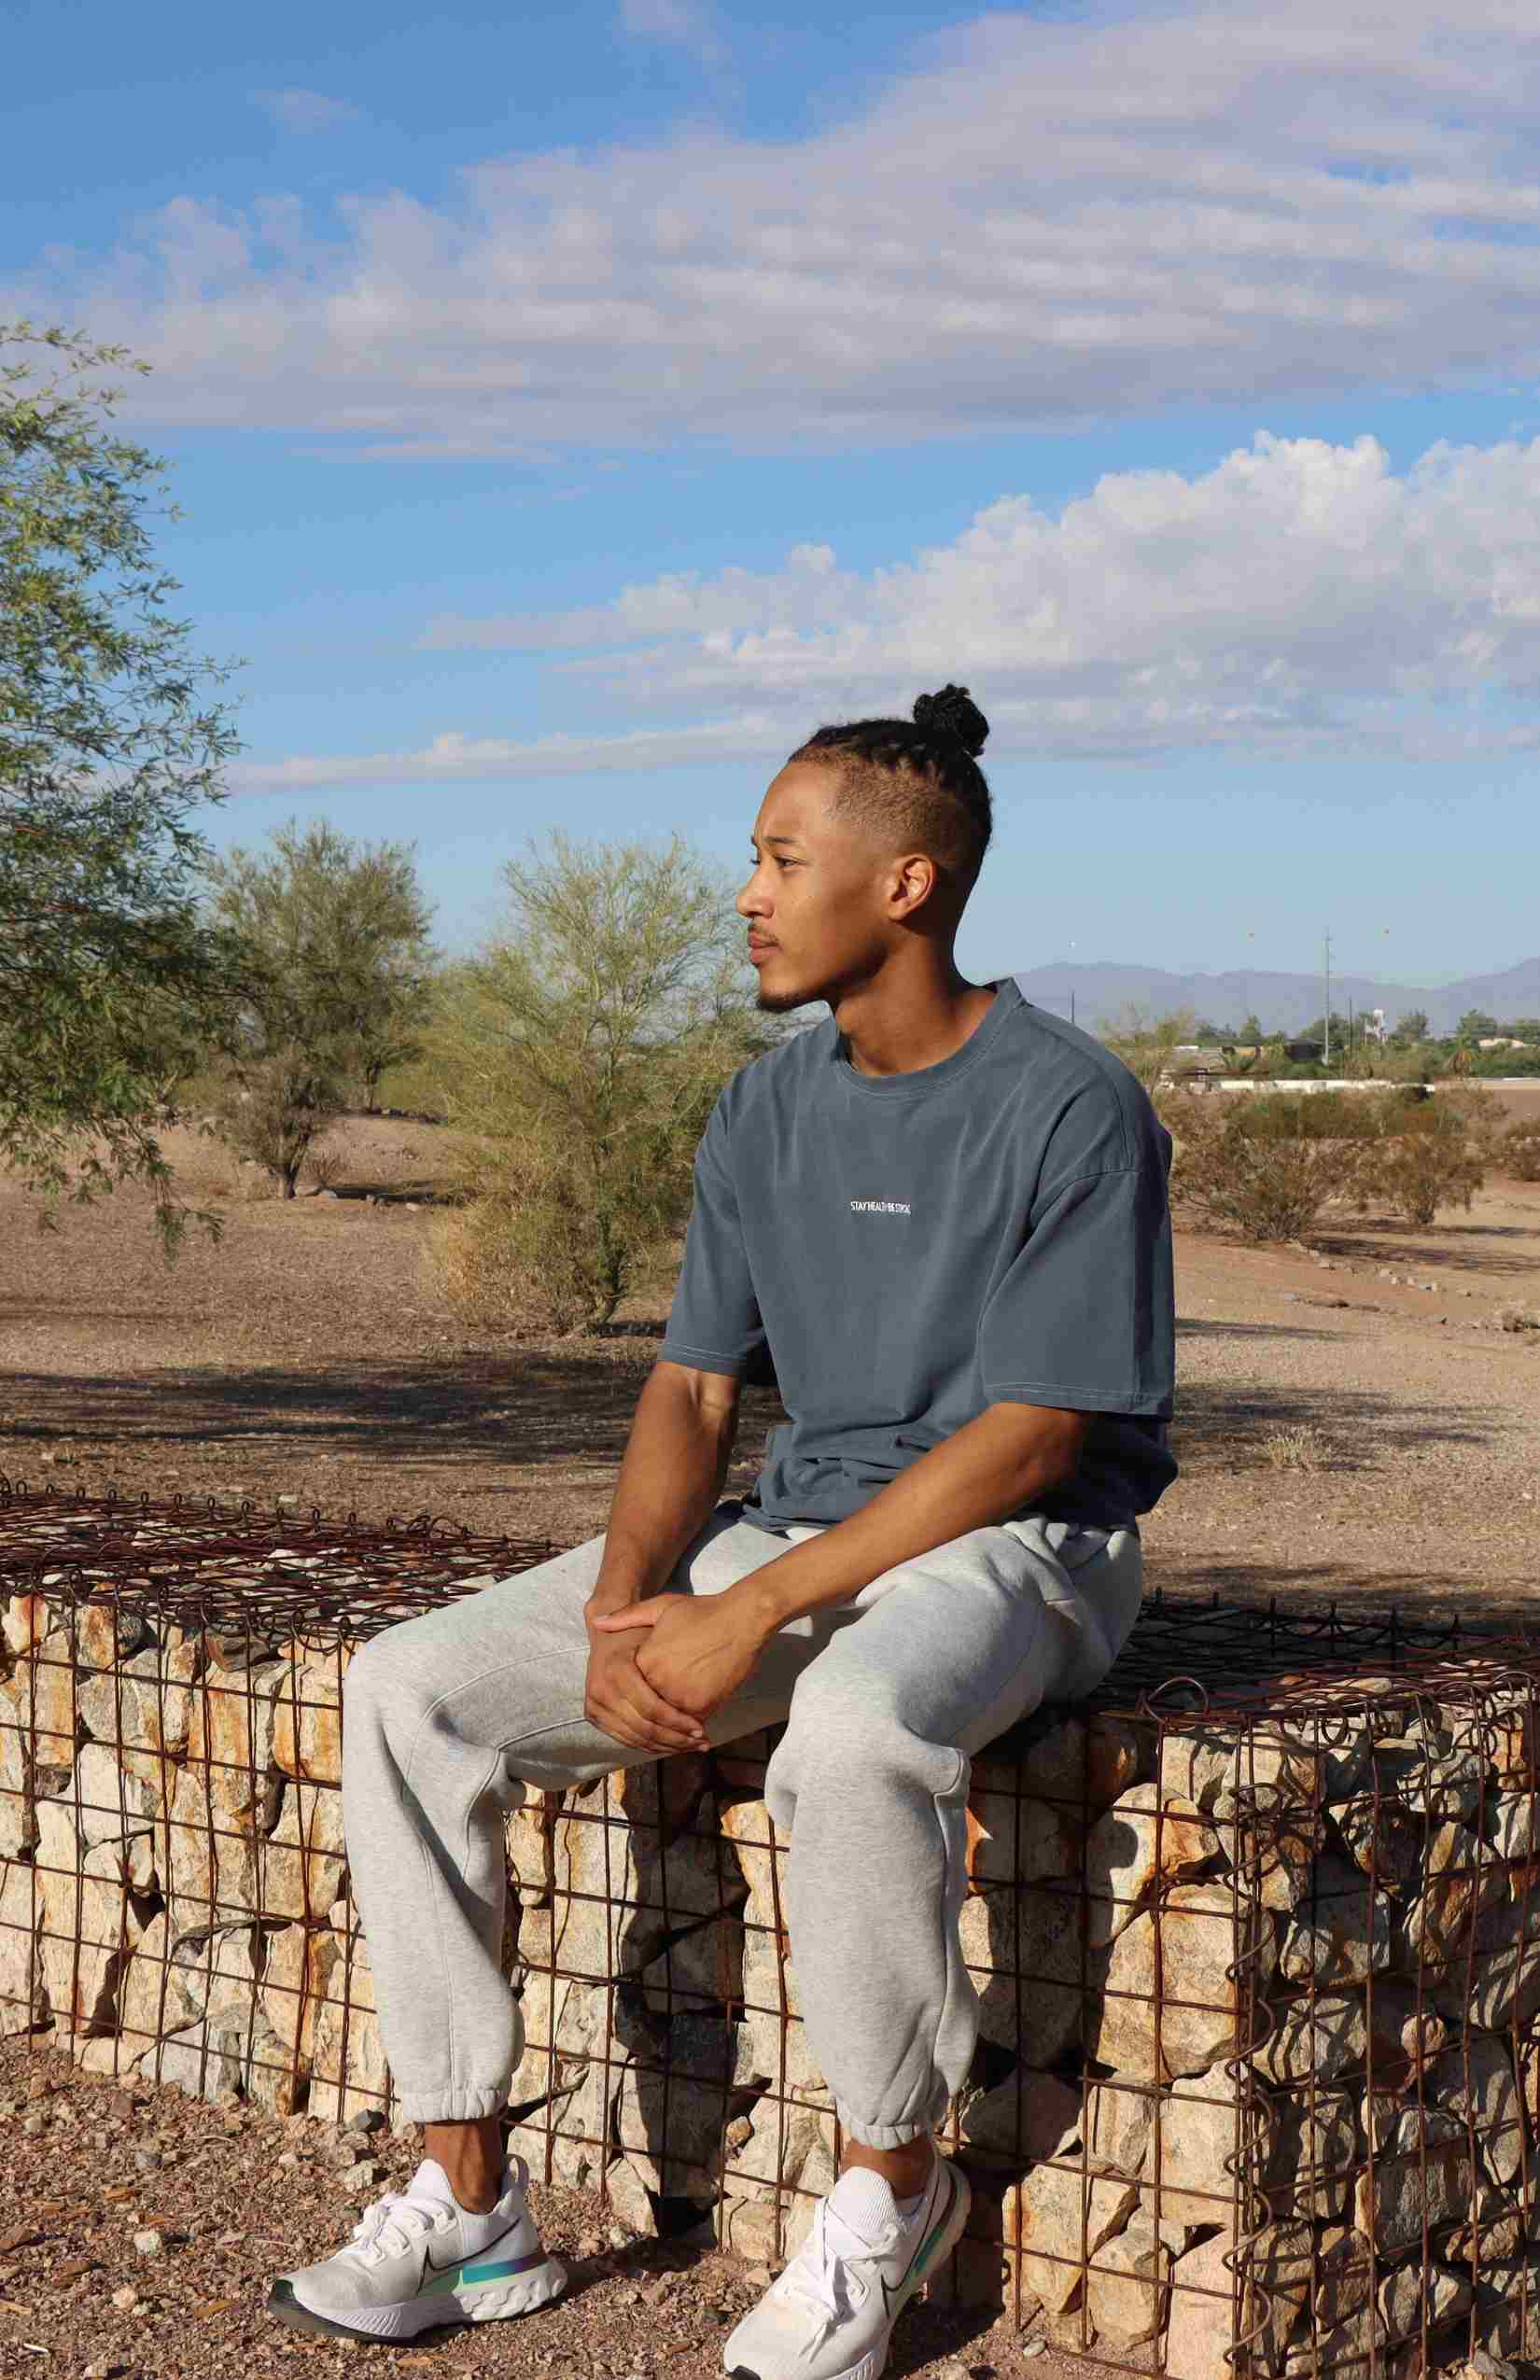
(1283, 1002)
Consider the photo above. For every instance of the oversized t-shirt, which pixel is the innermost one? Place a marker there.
(907, 1250)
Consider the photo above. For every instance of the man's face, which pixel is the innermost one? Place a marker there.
(813, 897)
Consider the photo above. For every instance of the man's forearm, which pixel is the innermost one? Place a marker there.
(985, 1471)
(674, 1467)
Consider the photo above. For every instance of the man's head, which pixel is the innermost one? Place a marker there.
(872, 833)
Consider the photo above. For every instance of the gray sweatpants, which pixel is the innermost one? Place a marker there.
(448, 1717)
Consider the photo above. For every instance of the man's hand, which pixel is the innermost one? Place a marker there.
(698, 1650)
(618, 1699)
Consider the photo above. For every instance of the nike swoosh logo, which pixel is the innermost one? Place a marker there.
(916, 2263)
(431, 2264)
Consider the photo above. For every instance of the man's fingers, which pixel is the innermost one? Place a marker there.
(646, 1700)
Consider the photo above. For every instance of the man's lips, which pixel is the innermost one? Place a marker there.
(755, 947)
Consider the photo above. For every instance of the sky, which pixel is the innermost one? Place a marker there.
(571, 407)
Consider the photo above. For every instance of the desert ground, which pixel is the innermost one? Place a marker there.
(1342, 1435)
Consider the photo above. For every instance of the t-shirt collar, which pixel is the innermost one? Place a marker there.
(923, 1079)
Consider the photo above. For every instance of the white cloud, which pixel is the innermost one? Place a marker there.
(1057, 221)
(684, 21)
(305, 111)
(1301, 595)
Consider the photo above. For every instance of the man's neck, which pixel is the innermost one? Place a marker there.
(907, 1043)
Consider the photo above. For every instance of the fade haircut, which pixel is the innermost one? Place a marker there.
(914, 784)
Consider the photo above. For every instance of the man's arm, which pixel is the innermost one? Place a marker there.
(1010, 1455)
(676, 1464)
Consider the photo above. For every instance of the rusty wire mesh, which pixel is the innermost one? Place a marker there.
(1253, 1933)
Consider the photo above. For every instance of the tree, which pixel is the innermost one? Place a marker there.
(1253, 1033)
(337, 984)
(581, 1053)
(110, 979)
(1412, 1027)
(1146, 1044)
(1475, 1024)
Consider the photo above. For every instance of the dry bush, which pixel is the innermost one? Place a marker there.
(325, 1164)
(1268, 1185)
(1416, 1174)
(1304, 1447)
(1519, 1151)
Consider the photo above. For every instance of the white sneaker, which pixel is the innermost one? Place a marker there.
(831, 2314)
(416, 2258)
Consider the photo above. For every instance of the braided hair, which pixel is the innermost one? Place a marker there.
(914, 783)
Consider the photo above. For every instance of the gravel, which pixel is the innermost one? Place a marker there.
(229, 2216)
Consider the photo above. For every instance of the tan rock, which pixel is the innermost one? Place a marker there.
(1126, 2288)
(1475, 2081)
(307, 1733)
(778, 2048)
(22, 1999)
(1339, 1934)
(1410, 2296)
(201, 2060)
(1463, 1881)
(1513, 1824)
(1344, 2282)
(90, 1925)
(1025, 2119)
(302, 1862)
(1232, 1772)
(215, 1975)
(564, 2024)
(1317, 2149)
(1384, 1840)
(1197, 2146)
(106, 1803)
(1203, 2011)
(1284, 2268)
(348, 2068)
(26, 1623)
(37, 1701)
(18, 1819)
(1390, 2203)
(1349, 2349)
(231, 1741)
(1118, 2118)
(206, 1856)
(1201, 2323)
(1085, 1763)
(1013, 1835)
(301, 1972)
(1023, 1950)
(1055, 2232)
(1507, 2306)
(1318, 2040)
(144, 1711)
(1146, 1839)
(151, 2003)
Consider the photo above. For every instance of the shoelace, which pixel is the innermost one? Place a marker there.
(813, 2272)
(388, 2215)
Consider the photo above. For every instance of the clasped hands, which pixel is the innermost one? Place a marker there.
(658, 1669)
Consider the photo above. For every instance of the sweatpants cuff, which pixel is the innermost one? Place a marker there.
(452, 2107)
(880, 2135)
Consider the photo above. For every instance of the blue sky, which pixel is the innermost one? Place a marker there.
(570, 410)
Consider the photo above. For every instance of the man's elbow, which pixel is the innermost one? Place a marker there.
(1051, 1439)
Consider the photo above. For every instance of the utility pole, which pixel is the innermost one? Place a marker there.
(1350, 1029)
(1072, 1007)
(1328, 1055)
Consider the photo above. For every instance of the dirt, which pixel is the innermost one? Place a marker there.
(312, 1356)
(232, 2214)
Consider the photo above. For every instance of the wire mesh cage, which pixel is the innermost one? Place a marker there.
(1253, 1936)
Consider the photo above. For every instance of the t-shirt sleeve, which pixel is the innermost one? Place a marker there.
(1084, 1318)
(714, 1324)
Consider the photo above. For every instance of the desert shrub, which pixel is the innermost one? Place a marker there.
(1268, 1185)
(1519, 1151)
(1417, 1172)
(326, 1163)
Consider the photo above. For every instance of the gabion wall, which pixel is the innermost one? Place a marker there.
(1258, 2076)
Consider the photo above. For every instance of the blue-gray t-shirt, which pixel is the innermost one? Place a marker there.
(910, 1249)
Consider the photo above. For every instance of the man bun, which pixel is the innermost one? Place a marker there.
(950, 713)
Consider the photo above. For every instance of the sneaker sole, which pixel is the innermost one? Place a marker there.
(527, 2294)
(932, 2257)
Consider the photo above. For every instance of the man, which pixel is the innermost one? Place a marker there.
(943, 1215)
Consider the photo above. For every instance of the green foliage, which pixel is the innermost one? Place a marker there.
(1146, 1043)
(1475, 1024)
(337, 983)
(580, 1054)
(111, 981)
(1412, 1027)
